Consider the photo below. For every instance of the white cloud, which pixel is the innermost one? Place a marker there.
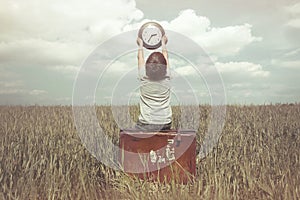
(69, 19)
(7, 91)
(65, 69)
(294, 9)
(295, 52)
(121, 67)
(247, 86)
(11, 84)
(228, 40)
(189, 23)
(290, 64)
(294, 13)
(221, 41)
(42, 52)
(63, 99)
(37, 92)
(59, 32)
(11, 87)
(244, 68)
(187, 70)
(295, 23)
(17, 87)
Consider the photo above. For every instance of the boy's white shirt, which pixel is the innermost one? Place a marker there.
(155, 99)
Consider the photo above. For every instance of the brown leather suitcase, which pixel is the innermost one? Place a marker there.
(159, 156)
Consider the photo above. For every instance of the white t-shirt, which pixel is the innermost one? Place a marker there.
(154, 99)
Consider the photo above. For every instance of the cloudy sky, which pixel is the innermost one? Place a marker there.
(254, 45)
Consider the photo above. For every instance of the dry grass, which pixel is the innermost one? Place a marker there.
(257, 157)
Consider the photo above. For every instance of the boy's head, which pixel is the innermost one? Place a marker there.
(156, 66)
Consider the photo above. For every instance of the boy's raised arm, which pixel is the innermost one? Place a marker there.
(164, 48)
(141, 61)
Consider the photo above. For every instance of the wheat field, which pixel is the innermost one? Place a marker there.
(257, 157)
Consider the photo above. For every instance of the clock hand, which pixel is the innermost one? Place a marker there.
(152, 36)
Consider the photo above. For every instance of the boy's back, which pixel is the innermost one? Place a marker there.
(155, 101)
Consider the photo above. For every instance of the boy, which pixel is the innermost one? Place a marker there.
(155, 109)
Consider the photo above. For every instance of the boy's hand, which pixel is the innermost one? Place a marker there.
(164, 40)
(139, 41)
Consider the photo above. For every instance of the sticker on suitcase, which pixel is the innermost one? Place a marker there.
(161, 156)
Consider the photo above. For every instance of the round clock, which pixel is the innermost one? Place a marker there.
(151, 34)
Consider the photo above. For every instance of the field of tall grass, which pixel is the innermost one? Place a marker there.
(42, 157)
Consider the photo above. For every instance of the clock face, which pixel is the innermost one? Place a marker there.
(151, 36)
(151, 33)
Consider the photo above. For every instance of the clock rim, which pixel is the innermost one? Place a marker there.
(143, 27)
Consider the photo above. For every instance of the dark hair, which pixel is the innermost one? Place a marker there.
(156, 66)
